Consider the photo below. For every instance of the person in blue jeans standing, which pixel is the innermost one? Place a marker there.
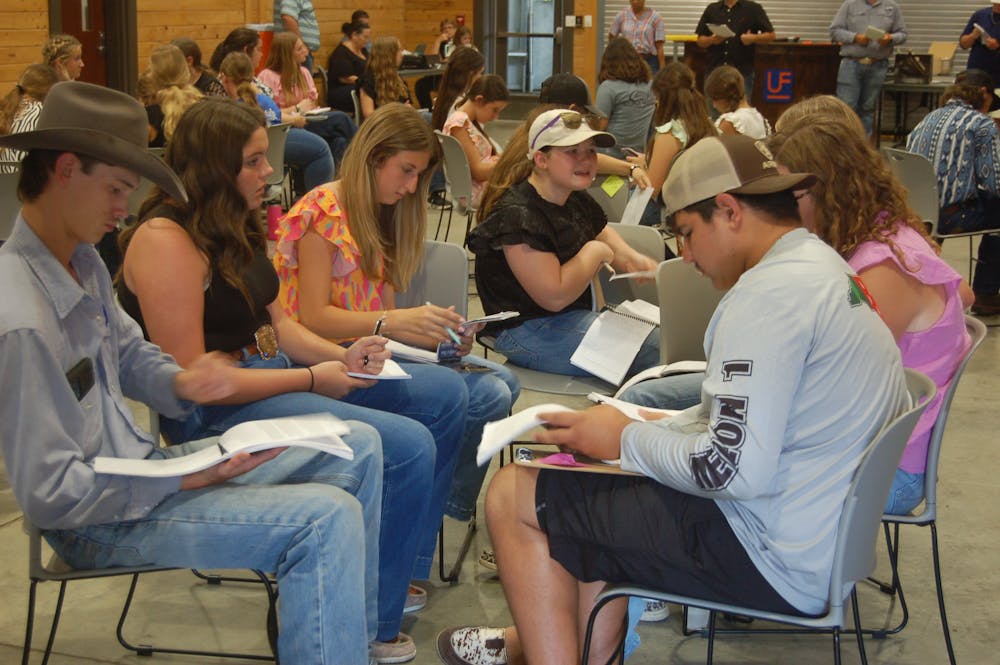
(197, 278)
(68, 357)
(864, 52)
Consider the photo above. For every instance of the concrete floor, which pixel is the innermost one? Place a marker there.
(177, 607)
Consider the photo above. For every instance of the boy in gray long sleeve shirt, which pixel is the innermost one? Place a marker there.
(740, 496)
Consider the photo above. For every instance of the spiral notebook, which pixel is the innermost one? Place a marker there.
(614, 339)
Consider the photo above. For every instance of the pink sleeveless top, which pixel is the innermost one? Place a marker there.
(936, 351)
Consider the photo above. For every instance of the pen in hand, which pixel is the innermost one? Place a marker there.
(375, 332)
(451, 333)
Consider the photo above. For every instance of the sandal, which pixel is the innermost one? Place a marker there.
(472, 645)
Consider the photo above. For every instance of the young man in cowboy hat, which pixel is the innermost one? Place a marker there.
(738, 498)
(69, 356)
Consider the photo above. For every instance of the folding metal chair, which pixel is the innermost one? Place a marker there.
(459, 178)
(918, 175)
(927, 515)
(854, 553)
(57, 571)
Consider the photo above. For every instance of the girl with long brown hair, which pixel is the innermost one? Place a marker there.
(861, 210)
(197, 278)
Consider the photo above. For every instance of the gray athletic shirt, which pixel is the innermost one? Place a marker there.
(801, 375)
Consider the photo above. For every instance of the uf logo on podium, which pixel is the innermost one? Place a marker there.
(778, 85)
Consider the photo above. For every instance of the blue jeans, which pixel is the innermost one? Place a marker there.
(337, 129)
(491, 396)
(437, 398)
(678, 391)
(546, 343)
(859, 86)
(906, 493)
(652, 61)
(408, 457)
(980, 213)
(293, 516)
(310, 153)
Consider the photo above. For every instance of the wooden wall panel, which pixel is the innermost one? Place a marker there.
(25, 26)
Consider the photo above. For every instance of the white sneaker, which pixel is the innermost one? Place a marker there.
(656, 610)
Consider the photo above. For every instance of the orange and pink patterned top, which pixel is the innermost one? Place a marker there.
(349, 287)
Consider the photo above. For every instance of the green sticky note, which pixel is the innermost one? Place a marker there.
(612, 184)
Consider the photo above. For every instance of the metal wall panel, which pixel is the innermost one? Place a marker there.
(926, 20)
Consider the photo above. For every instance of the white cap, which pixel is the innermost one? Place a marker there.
(562, 127)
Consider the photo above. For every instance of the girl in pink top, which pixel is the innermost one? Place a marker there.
(859, 207)
(483, 102)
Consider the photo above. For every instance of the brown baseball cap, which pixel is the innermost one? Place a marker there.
(98, 122)
(735, 164)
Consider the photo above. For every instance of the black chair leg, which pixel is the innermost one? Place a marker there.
(940, 594)
(30, 623)
(858, 633)
(712, 615)
(456, 568)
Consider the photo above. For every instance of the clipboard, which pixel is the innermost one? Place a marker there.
(542, 459)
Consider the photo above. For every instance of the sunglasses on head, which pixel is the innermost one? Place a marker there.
(570, 120)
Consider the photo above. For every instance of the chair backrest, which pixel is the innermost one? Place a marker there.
(9, 204)
(687, 302)
(358, 116)
(977, 331)
(443, 279)
(276, 137)
(457, 172)
(613, 206)
(854, 557)
(920, 179)
(646, 240)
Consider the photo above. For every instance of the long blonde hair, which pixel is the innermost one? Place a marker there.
(857, 198)
(171, 78)
(393, 234)
(389, 87)
(281, 59)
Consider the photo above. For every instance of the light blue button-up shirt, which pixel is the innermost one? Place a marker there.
(855, 16)
(50, 323)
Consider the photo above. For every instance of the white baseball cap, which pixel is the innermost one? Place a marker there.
(728, 163)
(562, 127)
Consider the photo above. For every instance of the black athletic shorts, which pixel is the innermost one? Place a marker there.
(633, 530)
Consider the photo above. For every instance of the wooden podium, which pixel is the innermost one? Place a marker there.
(784, 72)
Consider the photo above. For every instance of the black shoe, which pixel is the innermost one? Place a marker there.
(986, 304)
(438, 200)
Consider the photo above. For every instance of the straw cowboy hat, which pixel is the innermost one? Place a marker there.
(101, 123)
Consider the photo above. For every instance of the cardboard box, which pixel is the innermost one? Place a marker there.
(942, 55)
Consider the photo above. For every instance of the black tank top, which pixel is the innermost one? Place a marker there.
(230, 321)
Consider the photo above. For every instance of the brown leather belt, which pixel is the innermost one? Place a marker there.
(867, 60)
